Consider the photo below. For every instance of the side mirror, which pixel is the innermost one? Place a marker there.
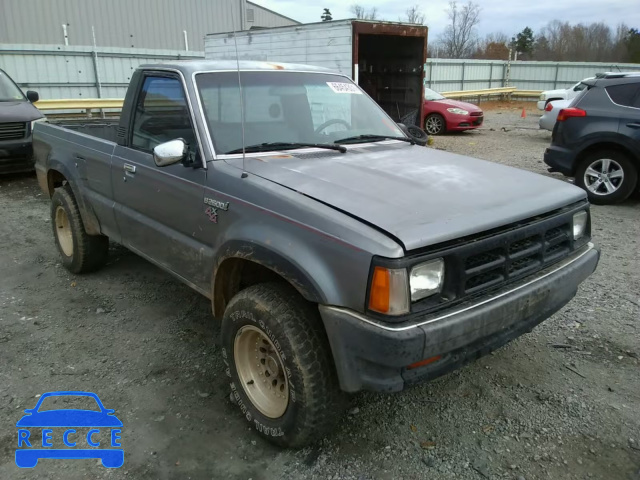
(169, 153)
(32, 96)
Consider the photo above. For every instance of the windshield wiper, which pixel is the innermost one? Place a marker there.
(373, 138)
(271, 146)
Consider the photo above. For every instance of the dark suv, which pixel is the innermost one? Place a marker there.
(17, 117)
(597, 138)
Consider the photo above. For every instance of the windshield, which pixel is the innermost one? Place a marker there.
(69, 402)
(9, 90)
(291, 107)
(431, 95)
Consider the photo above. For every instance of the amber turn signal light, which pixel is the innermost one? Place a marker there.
(380, 286)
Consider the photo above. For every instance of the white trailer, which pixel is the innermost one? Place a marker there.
(385, 58)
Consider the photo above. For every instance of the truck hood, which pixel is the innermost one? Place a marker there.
(418, 195)
(18, 112)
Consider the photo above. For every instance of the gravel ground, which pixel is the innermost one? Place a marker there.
(562, 402)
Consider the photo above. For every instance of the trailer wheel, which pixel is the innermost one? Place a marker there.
(80, 252)
(280, 366)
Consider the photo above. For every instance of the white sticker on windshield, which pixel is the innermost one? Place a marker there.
(340, 87)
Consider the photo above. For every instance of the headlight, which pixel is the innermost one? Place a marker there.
(580, 220)
(542, 96)
(33, 122)
(457, 111)
(426, 279)
(389, 293)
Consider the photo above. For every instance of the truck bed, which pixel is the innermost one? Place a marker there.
(101, 128)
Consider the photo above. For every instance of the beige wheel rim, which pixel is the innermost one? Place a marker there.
(261, 371)
(63, 231)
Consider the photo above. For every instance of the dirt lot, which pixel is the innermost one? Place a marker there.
(562, 402)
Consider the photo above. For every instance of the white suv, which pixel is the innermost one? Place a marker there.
(560, 94)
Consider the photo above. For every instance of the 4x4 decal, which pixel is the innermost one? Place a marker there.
(213, 207)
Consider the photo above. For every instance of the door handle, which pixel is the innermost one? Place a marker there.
(129, 168)
(633, 125)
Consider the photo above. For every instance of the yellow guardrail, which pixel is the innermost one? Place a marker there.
(527, 93)
(88, 104)
(479, 93)
(485, 92)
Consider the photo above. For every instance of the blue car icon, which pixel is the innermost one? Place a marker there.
(98, 421)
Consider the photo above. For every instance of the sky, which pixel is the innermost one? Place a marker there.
(507, 16)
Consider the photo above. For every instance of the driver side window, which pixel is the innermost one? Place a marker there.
(161, 114)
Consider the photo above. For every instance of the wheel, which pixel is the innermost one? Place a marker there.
(435, 124)
(335, 121)
(112, 458)
(608, 177)
(418, 135)
(80, 251)
(280, 365)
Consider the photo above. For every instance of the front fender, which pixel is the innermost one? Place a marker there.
(279, 263)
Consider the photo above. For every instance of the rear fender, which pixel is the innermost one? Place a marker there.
(89, 218)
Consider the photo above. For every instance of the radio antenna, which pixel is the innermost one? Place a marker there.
(235, 41)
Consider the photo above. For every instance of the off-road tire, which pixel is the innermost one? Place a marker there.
(88, 252)
(624, 190)
(295, 328)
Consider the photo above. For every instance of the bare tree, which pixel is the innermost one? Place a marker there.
(362, 13)
(413, 15)
(459, 38)
(493, 47)
(596, 42)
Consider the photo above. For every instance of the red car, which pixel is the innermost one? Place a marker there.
(444, 115)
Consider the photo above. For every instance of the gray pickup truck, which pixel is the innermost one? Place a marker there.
(338, 255)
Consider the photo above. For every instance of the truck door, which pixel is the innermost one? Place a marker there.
(158, 208)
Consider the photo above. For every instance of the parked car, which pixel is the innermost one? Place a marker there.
(445, 115)
(337, 254)
(17, 116)
(597, 138)
(560, 94)
(548, 119)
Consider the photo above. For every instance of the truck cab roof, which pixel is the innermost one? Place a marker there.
(188, 67)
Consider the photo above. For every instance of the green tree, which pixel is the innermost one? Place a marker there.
(524, 42)
(632, 42)
(326, 15)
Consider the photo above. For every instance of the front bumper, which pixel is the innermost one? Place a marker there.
(458, 123)
(16, 155)
(560, 160)
(370, 355)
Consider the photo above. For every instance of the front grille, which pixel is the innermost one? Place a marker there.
(516, 257)
(476, 114)
(13, 131)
